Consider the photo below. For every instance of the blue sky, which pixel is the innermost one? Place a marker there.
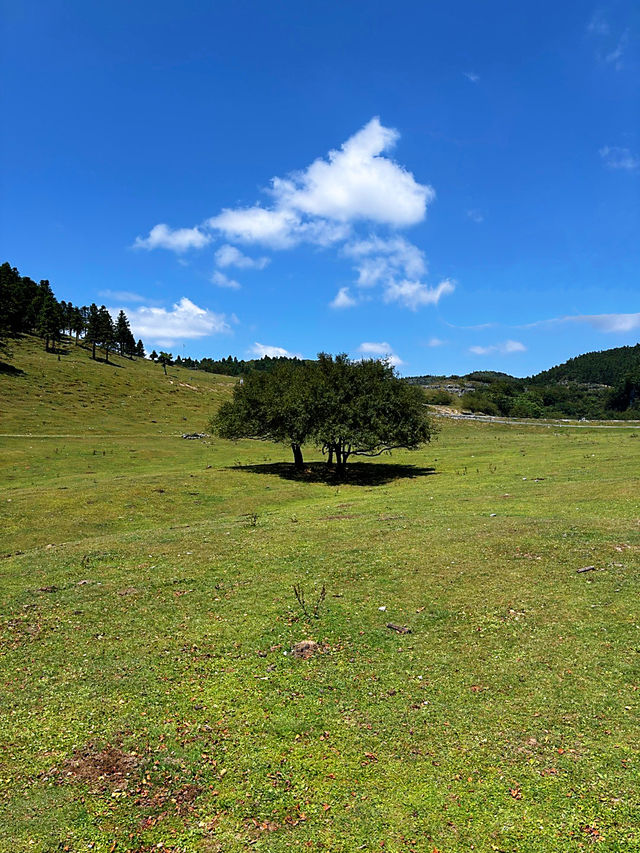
(456, 185)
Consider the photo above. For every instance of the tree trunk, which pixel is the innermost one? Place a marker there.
(330, 455)
(298, 461)
(164, 364)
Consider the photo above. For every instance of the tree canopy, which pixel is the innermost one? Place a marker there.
(346, 408)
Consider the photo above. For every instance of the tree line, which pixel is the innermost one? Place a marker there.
(343, 407)
(27, 307)
(233, 366)
(596, 385)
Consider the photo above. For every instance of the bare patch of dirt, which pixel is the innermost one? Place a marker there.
(108, 769)
(305, 649)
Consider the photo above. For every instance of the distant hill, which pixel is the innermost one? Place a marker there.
(605, 367)
(70, 393)
(596, 385)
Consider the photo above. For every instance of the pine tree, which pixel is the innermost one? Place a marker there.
(106, 330)
(50, 320)
(93, 327)
(123, 335)
(140, 349)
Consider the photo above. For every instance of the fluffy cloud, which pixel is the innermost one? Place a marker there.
(221, 280)
(435, 342)
(178, 240)
(414, 294)
(504, 348)
(343, 299)
(229, 256)
(261, 350)
(619, 158)
(327, 204)
(185, 321)
(380, 350)
(275, 228)
(357, 183)
(383, 259)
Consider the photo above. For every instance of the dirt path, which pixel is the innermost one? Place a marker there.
(490, 419)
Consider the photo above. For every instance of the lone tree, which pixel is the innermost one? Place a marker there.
(346, 408)
(165, 358)
(280, 406)
(366, 410)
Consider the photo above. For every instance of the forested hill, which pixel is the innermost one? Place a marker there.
(606, 367)
(595, 385)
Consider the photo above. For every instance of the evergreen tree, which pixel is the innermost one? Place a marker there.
(93, 328)
(78, 321)
(107, 331)
(140, 349)
(123, 335)
(50, 320)
(154, 355)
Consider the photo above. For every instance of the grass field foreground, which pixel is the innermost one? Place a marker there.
(151, 700)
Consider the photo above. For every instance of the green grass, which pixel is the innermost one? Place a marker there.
(507, 720)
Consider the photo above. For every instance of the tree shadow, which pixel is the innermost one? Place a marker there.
(110, 363)
(10, 370)
(357, 474)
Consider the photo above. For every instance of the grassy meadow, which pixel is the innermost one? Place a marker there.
(150, 698)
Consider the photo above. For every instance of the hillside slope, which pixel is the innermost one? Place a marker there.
(605, 367)
(42, 392)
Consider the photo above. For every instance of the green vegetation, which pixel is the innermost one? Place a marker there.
(27, 307)
(345, 408)
(597, 385)
(148, 604)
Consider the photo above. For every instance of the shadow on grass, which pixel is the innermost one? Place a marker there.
(358, 473)
(10, 370)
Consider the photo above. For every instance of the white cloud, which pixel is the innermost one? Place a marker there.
(504, 348)
(472, 76)
(177, 240)
(414, 294)
(357, 183)
(319, 204)
(121, 296)
(609, 322)
(260, 350)
(435, 342)
(275, 228)
(229, 256)
(325, 205)
(184, 321)
(221, 280)
(380, 350)
(619, 158)
(343, 299)
(383, 259)
(475, 216)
